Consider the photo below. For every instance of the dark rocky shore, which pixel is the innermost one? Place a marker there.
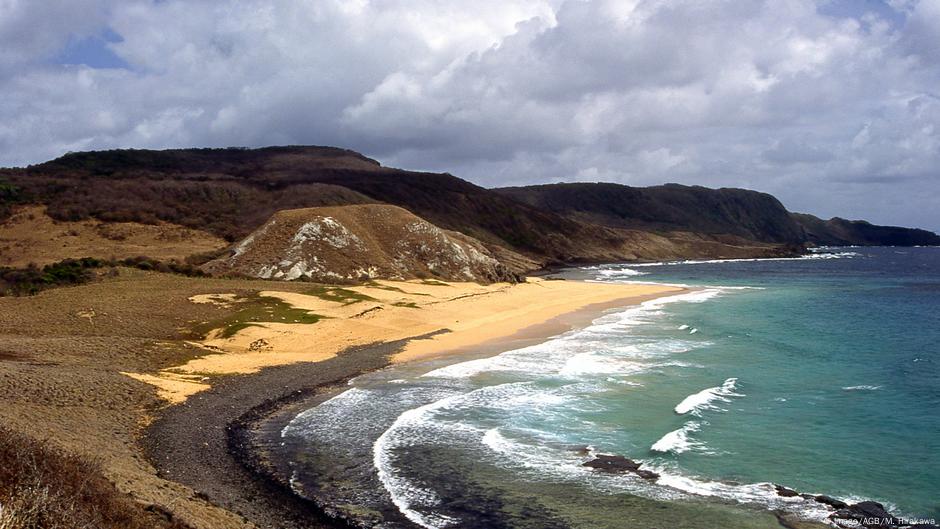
(207, 442)
(867, 514)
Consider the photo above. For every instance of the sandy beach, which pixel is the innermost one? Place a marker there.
(216, 438)
(460, 316)
(145, 372)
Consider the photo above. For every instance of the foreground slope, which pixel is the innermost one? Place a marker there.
(350, 243)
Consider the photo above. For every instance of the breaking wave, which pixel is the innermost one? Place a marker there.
(809, 256)
(678, 441)
(705, 399)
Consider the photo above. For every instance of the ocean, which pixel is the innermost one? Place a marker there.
(820, 374)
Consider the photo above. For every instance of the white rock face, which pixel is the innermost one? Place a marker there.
(328, 230)
(351, 243)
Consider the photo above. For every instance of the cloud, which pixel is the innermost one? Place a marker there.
(814, 101)
(32, 32)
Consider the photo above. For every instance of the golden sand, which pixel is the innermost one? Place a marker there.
(470, 315)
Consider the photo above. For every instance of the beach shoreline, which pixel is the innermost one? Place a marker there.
(217, 440)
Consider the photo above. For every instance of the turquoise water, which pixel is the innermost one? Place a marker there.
(818, 374)
(838, 362)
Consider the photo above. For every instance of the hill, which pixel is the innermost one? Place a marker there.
(842, 232)
(359, 242)
(231, 192)
(671, 207)
(743, 213)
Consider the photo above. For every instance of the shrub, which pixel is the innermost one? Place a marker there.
(32, 279)
(9, 195)
(45, 487)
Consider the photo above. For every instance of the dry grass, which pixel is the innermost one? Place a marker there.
(31, 236)
(44, 487)
(62, 354)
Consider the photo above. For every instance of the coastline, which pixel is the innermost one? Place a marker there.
(216, 440)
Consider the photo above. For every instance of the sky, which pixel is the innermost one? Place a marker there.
(833, 106)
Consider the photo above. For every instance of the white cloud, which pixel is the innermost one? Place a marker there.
(33, 31)
(772, 95)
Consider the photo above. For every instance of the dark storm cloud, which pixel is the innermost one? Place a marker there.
(826, 104)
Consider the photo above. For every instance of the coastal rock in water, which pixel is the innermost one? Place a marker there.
(619, 464)
(613, 464)
(785, 492)
(647, 474)
(864, 514)
(794, 521)
(830, 501)
(873, 515)
(581, 450)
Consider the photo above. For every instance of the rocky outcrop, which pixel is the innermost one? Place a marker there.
(870, 514)
(873, 515)
(614, 464)
(359, 242)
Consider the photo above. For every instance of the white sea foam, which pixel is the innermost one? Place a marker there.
(574, 353)
(705, 399)
(497, 443)
(620, 272)
(405, 494)
(678, 441)
(755, 493)
(809, 256)
(683, 327)
(693, 331)
(575, 356)
(594, 364)
(861, 388)
(434, 422)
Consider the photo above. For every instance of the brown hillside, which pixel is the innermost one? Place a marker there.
(667, 208)
(352, 243)
(31, 236)
(231, 192)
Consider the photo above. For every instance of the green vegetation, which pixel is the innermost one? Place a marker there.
(338, 295)
(156, 265)
(41, 486)
(253, 311)
(9, 195)
(233, 328)
(380, 286)
(33, 279)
